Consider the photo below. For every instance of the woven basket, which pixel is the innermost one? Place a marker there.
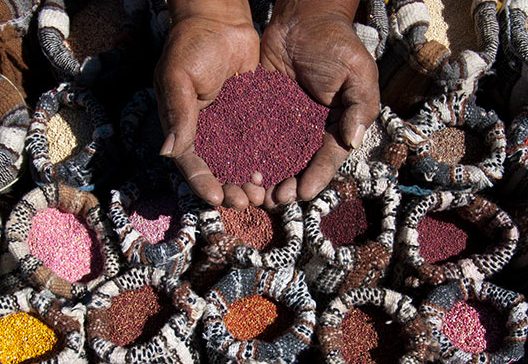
(475, 209)
(418, 339)
(443, 298)
(70, 200)
(285, 286)
(14, 122)
(66, 321)
(172, 344)
(89, 165)
(334, 269)
(173, 256)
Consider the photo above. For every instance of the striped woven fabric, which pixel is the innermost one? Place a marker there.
(14, 122)
(70, 200)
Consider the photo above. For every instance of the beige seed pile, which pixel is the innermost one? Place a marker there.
(68, 132)
(451, 24)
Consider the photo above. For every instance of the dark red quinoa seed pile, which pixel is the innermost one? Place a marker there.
(260, 122)
(350, 223)
(443, 237)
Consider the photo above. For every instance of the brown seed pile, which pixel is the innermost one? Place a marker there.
(348, 224)
(96, 27)
(129, 313)
(260, 122)
(454, 146)
(68, 132)
(256, 227)
(370, 336)
(249, 317)
(451, 24)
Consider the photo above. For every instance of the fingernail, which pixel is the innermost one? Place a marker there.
(168, 146)
(358, 133)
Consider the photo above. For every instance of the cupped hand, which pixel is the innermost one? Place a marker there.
(314, 43)
(210, 41)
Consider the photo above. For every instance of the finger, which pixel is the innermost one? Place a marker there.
(178, 110)
(257, 178)
(286, 191)
(254, 193)
(235, 197)
(200, 178)
(361, 99)
(322, 168)
(269, 200)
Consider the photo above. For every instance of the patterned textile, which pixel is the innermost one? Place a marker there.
(70, 200)
(223, 249)
(334, 269)
(285, 286)
(475, 209)
(419, 345)
(415, 135)
(67, 321)
(174, 341)
(14, 122)
(88, 166)
(443, 298)
(173, 256)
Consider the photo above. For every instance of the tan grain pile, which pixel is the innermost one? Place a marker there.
(451, 24)
(68, 132)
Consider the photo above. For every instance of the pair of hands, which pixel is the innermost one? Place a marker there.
(311, 41)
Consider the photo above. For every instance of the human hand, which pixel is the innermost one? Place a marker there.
(211, 40)
(314, 43)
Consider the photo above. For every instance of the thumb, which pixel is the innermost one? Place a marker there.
(178, 110)
(361, 101)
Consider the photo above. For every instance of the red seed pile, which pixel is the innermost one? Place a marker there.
(370, 336)
(474, 327)
(348, 224)
(442, 237)
(260, 122)
(129, 313)
(157, 217)
(256, 227)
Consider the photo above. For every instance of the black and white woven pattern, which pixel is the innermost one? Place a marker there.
(418, 340)
(486, 215)
(285, 286)
(172, 344)
(443, 298)
(89, 165)
(333, 268)
(172, 256)
(70, 200)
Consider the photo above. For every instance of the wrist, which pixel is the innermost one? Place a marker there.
(306, 9)
(228, 11)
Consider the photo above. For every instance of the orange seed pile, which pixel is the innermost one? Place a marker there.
(250, 316)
